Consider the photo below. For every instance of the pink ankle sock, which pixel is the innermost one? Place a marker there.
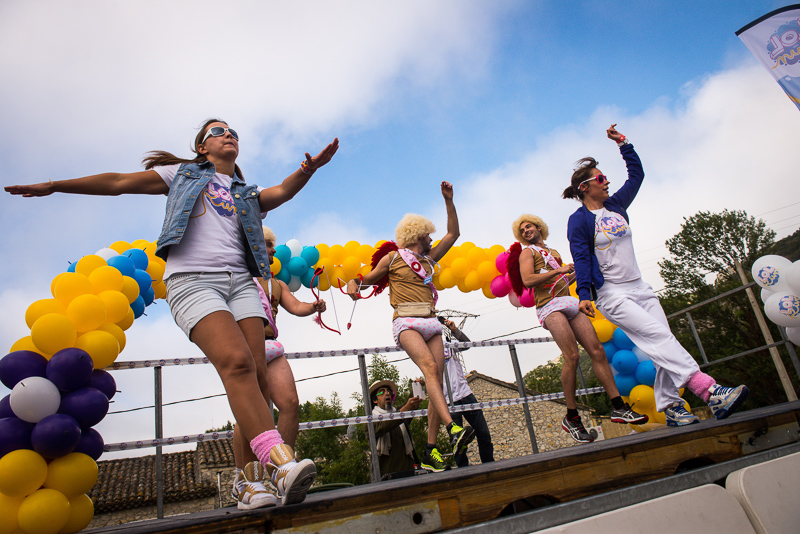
(699, 384)
(262, 444)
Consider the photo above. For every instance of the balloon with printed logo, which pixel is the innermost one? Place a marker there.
(70, 369)
(21, 472)
(71, 285)
(310, 255)
(55, 435)
(792, 276)
(21, 364)
(625, 383)
(124, 264)
(514, 299)
(42, 307)
(769, 272)
(605, 330)
(499, 286)
(14, 434)
(45, 511)
(86, 312)
(91, 443)
(294, 247)
(500, 262)
(101, 346)
(783, 309)
(71, 474)
(9, 508)
(34, 398)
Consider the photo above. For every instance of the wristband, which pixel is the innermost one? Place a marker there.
(306, 169)
(623, 141)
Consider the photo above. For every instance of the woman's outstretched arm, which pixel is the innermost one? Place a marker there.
(109, 184)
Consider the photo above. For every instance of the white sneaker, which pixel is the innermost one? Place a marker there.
(724, 401)
(291, 478)
(249, 491)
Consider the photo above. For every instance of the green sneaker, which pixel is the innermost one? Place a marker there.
(433, 462)
(460, 438)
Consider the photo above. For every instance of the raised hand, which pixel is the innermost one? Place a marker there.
(614, 135)
(323, 157)
(34, 190)
(447, 190)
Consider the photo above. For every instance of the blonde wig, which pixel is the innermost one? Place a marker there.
(410, 228)
(269, 235)
(533, 219)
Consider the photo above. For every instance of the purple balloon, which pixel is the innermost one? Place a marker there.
(87, 405)
(21, 364)
(14, 434)
(91, 443)
(70, 369)
(5, 407)
(56, 435)
(103, 381)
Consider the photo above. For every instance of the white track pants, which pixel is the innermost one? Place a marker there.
(634, 307)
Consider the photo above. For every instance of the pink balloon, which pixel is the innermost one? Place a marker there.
(499, 286)
(514, 300)
(500, 262)
(526, 299)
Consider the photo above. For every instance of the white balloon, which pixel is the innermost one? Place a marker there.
(295, 246)
(792, 276)
(106, 253)
(768, 272)
(295, 283)
(34, 398)
(783, 309)
(640, 354)
(793, 333)
(514, 299)
(765, 294)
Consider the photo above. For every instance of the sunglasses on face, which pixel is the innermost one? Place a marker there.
(601, 179)
(383, 392)
(218, 131)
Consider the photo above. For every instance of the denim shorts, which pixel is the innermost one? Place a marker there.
(192, 296)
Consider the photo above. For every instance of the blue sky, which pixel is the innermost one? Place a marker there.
(499, 98)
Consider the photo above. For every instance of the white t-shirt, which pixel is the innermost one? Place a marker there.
(457, 381)
(614, 247)
(213, 240)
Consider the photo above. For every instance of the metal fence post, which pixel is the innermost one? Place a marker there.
(521, 388)
(159, 435)
(697, 337)
(374, 466)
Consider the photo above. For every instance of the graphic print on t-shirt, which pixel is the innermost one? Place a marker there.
(611, 228)
(218, 197)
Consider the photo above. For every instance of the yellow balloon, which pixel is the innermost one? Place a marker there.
(87, 312)
(56, 278)
(156, 270)
(642, 398)
(159, 289)
(337, 277)
(462, 286)
(81, 512)
(116, 307)
(604, 329)
(327, 264)
(460, 268)
(22, 472)
(337, 254)
(52, 332)
(44, 511)
(115, 331)
(71, 474)
(473, 281)
(437, 284)
(364, 253)
(447, 259)
(9, 508)
(42, 307)
(106, 278)
(487, 270)
(323, 250)
(466, 247)
(447, 278)
(351, 247)
(120, 246)
(487, 291)
(127, 321)
(130, 288)
(89, 263)
(26, 343)
(496, 250)
(275, 266)
(476, 256)
(101, 346)
(657, 417)
(70, 285)
(365, 270)
(379, 243)
(573, 289)
(150, 250)
(324, 285)
(351, 266)
(141, 244)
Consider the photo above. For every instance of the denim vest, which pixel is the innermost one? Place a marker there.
(187, 186)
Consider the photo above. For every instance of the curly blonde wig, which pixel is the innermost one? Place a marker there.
(410, 228)
(533, 219)
(269, 235)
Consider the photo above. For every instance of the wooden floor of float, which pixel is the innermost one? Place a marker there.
(479, 493)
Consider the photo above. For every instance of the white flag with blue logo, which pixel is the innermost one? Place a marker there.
(775, 41)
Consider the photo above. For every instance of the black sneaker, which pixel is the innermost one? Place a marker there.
(460, 438)
(574, 427)
(433, 462)
(627, 415)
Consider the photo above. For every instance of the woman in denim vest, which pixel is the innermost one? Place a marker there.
(213, 248)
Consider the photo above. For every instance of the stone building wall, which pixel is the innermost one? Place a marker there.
(150, 512)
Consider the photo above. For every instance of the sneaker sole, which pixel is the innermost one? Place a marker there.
(642, 420)
(732, 407)
(567, 430)
(298, 485)
(431, 468)
(466, 438)
(683, 422)
(265, 503)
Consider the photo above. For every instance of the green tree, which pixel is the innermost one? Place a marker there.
(547, 379)
(224, 428)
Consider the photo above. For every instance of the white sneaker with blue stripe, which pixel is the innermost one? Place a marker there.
(677, 415)
(724, 401)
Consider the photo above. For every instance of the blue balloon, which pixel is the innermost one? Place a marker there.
(20, 364)
(70, 369)
(5, 407)
(123, 264)
(625, 362)
(143, 279)
(56, 435)
(610, 349)
(283, 253)
(297, 266)
(307, 276)
(71, 268)
(621, 340)
(139, 257)
(138, 307)
(625, 383)
(103, 381)
(311, 255)
(88, 406)
(14, 434)
(646, 373)
(91, 443)
(149, 296)
(284, 276)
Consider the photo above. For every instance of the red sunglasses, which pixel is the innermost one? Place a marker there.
(601, 179)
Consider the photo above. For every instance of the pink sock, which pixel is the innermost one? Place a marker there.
(262, 444)
(699, 384)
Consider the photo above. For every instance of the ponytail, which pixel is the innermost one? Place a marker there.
(583, 171)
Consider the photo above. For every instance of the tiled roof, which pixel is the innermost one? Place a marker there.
(131, 482)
